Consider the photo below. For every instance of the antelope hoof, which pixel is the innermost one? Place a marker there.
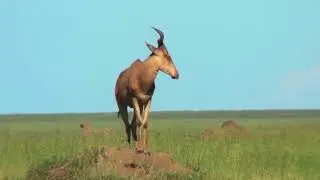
(147, 153)
(139, 151)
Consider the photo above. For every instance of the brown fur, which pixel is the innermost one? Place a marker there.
(135, 87)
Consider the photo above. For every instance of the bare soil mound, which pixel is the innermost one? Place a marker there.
(88, 129)
(127, 162)
(108, 160)
(228, 129)
(230, 124)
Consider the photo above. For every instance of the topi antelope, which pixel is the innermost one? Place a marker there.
(135, 87)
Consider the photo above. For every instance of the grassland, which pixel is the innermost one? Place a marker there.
(283, 144)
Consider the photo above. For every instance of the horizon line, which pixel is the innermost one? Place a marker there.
(159, 111)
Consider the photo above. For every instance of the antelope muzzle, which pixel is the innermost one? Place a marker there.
(176, 76)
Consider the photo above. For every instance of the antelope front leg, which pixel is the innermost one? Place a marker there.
(138, 121)
(145, 127)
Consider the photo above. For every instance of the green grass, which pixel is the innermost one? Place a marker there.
(290, 150)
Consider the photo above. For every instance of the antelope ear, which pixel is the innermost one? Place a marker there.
(152, 48)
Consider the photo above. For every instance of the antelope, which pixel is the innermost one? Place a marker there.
(135, 87)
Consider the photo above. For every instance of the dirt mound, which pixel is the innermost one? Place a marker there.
(88, 129)
(127, 162)
(107, 161)
(228, 129)
(230, 124)
(75, 166)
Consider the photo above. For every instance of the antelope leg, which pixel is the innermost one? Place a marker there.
(145, 126)
(138, 119)
(124, 116)
(133, 126)
(143, 97)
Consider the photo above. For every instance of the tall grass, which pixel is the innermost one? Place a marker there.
(286, 149)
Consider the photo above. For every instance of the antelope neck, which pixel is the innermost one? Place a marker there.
(151, 65)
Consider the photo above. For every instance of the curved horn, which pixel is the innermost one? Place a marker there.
(160, 40)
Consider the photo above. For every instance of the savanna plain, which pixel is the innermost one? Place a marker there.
(274, 144)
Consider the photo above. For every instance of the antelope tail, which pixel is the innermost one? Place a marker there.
(118, 114)
(116, 95)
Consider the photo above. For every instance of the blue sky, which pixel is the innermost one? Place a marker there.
(65, 56)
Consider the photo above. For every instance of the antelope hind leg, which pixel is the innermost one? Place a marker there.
(125, 119)
(145, 127)
(138, 118)
(133, 126)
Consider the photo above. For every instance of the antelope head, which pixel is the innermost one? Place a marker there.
(162, 57)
